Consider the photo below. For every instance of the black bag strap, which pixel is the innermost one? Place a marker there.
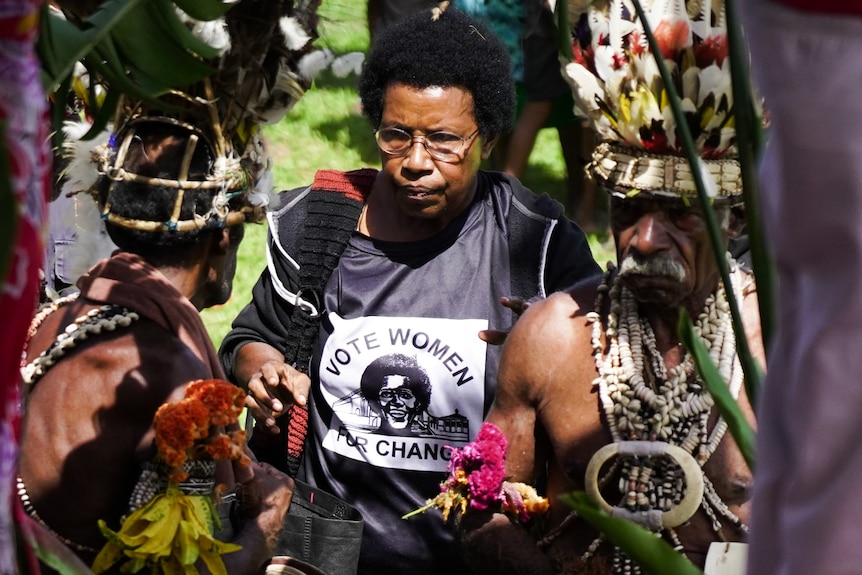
(334, 205)
(525, 248)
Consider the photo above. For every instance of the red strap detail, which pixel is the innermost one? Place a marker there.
(297, 428)
(355, 184)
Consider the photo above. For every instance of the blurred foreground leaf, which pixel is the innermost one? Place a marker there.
(651, 552)
(739, 427)
(49, 549)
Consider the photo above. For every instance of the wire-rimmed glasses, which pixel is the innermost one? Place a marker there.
(443, 146)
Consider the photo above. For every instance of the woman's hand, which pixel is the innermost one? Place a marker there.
(273, 388)
(517, 305)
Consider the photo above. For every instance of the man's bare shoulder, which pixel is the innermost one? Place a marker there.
(550, 336)
(141, 364)
(565, 310)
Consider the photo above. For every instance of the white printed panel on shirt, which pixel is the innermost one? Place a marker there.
(403, 390)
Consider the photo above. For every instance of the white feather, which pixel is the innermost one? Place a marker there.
(295, 36)
(348, 63)
(312, 63)
(586, 86)
(213, 32)
(81, 174)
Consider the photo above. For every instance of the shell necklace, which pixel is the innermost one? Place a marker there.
(644, 401)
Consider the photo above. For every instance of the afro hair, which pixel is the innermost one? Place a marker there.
(450, 51)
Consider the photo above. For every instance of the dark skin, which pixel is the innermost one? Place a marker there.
(82, 452)
(414, 197)
(547, 407)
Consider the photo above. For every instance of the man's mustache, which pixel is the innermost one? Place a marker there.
(658, 267)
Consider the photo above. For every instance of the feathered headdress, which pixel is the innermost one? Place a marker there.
(617, 85)
(255, 79)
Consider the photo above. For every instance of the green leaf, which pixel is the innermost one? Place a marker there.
(58, 113)
(168, 20)
(115, 82)
(149, 40)
(134, 81)
(652, 553)
(564, 33)
(59, 41)
(749, 137)
(50, 550)
(45, 46)
(71, 44)
(8, 209)
(204, 10)
(146, 45)
(739, 427)
(103, 115)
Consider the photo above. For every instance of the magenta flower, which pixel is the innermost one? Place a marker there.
(476, 479)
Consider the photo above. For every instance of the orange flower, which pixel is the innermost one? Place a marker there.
(178, 426)
(195, 426)
(224, 400)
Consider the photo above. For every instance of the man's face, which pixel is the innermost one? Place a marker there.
(663, 250)
(224, 268)
(397, 401)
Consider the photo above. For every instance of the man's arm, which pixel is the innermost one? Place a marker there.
(491, 542)
(266, 500)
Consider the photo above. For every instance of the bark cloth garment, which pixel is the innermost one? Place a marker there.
(128, 280)
(125, 279)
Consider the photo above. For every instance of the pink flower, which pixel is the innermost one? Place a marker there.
(476, 480)
(482, 464)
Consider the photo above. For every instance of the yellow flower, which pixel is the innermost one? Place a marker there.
(167, 535)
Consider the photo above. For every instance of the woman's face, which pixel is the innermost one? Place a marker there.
(423, 187)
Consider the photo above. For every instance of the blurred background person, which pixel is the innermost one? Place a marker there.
(806, 502)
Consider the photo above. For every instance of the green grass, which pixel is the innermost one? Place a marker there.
(326, 131)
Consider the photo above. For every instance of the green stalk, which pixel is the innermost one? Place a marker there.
(749, 366)
(749, 138)
(654, 555)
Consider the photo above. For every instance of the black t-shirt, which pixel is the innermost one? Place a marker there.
(425, 301)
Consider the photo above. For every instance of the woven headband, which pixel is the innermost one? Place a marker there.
(626, 171)
(227, 180)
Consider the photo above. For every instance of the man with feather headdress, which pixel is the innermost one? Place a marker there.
(596, 390)
(174, 180)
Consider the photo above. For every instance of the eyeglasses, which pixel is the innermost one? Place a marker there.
(443, 146)
(403, 394)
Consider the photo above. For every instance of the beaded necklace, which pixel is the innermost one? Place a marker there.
(644, 401)
(105, 318)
